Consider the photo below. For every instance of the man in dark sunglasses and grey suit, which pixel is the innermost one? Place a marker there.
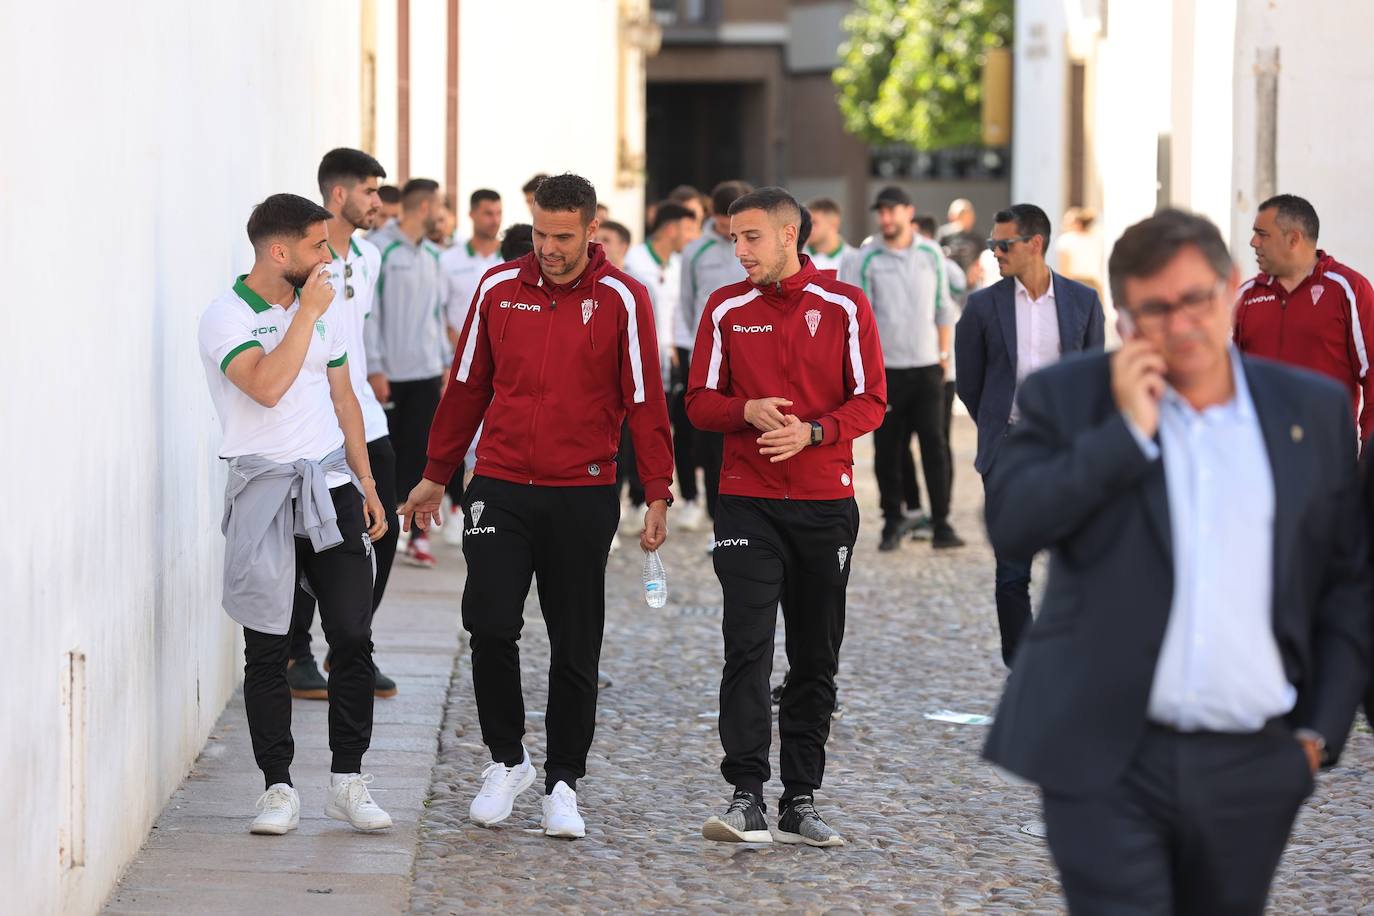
(1025, 322)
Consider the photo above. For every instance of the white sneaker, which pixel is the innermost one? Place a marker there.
(500, 785)
(281, 810)
(350, 801)
(689, 516)
(631, 519)
(560, 814)
(615, 544)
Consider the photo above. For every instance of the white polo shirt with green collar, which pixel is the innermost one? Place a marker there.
(358, 271)
(303, 424)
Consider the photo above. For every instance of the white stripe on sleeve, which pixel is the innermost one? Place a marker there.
(717, 353)
(632, 335)
(855, 354)
(465, 364)
(1355, 330)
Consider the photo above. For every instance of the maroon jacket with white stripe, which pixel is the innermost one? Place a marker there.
(1325, 324)
(810, 339)
(551, 372)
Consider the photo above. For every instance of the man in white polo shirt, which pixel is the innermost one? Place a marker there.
(348, 184)
(293, 438)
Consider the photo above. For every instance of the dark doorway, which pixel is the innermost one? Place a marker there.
(694, 136)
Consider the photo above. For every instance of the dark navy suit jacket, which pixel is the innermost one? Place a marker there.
(985, 351)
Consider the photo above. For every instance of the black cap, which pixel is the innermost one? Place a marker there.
(891, 196)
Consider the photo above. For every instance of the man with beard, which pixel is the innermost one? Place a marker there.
(348, 185)
(406, 343)
(558, 348)
(275, 358)
(789, 368)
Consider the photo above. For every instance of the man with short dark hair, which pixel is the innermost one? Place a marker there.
(1330, 328)
(390, 209)
(1008, 331)
(692, 199)
(517, 242)
(530, 187)
(903, 275)
(1205, 632)
(707, 264)
(348, 186)
(300, 500)
(615, 239)
(558, 348)
(826, 246)
(406, 342)
(790, 370)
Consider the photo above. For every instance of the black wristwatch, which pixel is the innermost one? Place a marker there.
(817, 433)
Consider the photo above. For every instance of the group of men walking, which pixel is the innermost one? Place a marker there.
(1163, 699)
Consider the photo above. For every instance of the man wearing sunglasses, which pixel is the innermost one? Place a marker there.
(1009, 330)
(348, 186)
(1205, 634)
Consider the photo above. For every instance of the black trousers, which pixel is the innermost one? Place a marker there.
(911, 491)
(1196, 825)
(626, 471)
(560, 536)
(341, 578)
(796, 552)
(915, 405)
(685, 457)
(383, 460)
(1012, 581)
(409, 419)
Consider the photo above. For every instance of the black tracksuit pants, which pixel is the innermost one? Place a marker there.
(915, 399)
(382, 457)
(693, 448)
(341, 578)
(409, 419)
(559, 536)
(796, 552)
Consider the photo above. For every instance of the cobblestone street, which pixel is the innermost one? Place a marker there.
(929, 827)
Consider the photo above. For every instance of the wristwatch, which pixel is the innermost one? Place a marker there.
(817, 433)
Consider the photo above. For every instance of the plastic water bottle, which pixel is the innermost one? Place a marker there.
(655, 580)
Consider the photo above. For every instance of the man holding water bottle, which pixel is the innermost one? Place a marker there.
(558, 351)
(788, 366)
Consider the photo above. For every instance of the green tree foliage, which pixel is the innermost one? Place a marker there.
(911, 71)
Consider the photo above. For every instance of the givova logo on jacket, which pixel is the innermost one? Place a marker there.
(519, 306)
(752, 328)
(476, 511)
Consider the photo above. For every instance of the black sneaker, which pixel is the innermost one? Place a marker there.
(892, 537)
(305, 680)
(921, 528)
(383, 689)
(800, 824)
(945, 538)
(777, 691)
(743, 822)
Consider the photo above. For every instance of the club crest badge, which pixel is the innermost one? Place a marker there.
(594, 470)
(813, 320)
(476, 511)
(588, 308)
(319, 329)
(1317, 291)
(843, 554)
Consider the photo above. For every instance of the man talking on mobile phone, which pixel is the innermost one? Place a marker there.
(1205, 633)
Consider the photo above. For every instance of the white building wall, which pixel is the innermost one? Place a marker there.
(1040, 103)
(428, 86)
(138, 137)
(538, 94)
(1325, 144)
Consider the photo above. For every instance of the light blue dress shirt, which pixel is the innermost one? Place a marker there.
(1219, 668)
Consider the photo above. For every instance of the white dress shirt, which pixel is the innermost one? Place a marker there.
(1037, 334)
(1219, 668)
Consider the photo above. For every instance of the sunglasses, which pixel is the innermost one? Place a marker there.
(1004, 245)
(348, 275)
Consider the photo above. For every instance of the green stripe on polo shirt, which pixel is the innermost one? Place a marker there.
(354, 245)
(255, 302)
(336, 363)
(229, 357)
(381, 280)
(654, 254)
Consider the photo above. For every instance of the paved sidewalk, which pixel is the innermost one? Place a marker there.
(200, 857)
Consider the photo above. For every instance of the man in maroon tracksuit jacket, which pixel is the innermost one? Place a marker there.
(557, 349)
(788, 366)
